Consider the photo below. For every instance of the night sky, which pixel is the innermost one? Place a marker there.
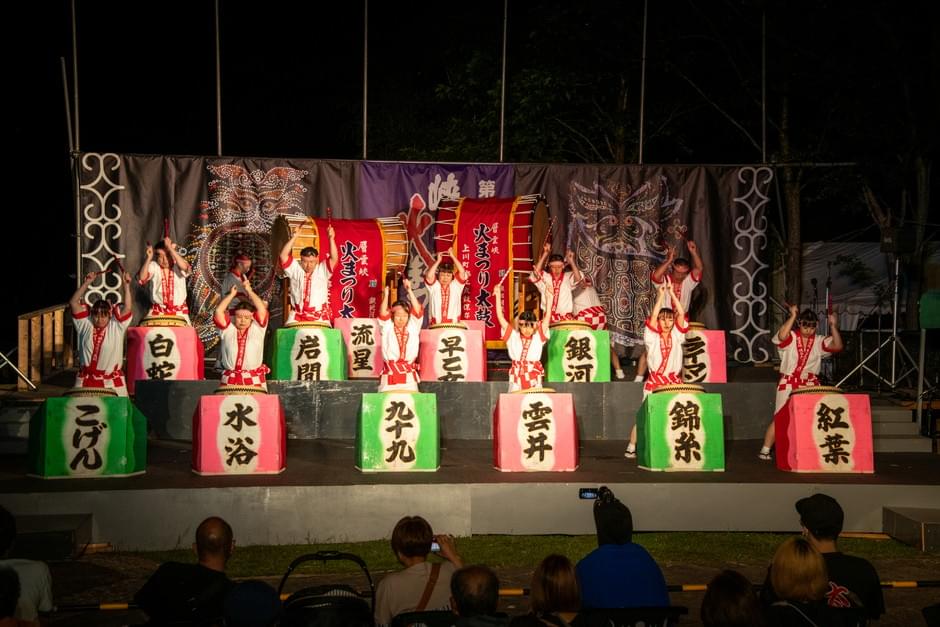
(860, 79)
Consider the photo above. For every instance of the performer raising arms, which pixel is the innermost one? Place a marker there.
(444, 288)
(664, 346)
(523, 343)
(400, 331)
(801, 355)
(685, 278)
(240, 270)
(242, 351)
(166, 271)
(100, 330)
(556, 304)
(309, 281)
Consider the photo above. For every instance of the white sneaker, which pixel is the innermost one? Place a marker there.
(638, 378)
(619, 375)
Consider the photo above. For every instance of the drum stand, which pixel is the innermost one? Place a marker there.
(895, 343)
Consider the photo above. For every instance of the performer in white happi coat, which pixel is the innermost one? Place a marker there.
(663, 343)
(525, 340)
(400, 329)
(240, 270)
(309, 281)
(589, 309)
(100, 330)
(445, 288)
(164, 270)
(556, 304)
(241, 353)
(684, 278)
(801, 355)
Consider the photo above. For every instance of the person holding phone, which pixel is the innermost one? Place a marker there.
(421, 585)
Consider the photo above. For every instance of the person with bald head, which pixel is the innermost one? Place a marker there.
(192, 593)
(475, 596)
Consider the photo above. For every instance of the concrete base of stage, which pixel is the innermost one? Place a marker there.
(330, 409)
(321, 497)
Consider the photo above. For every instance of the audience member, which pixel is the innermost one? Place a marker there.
(251, 604)
(192, 592)
(35, 582)
(475, 597)
(422, 585)
(853, 581)
(554, 596)
(9, 593)
(730, 601)
(798, 576)
(618, 573)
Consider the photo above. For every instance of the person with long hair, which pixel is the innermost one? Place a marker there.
(555, 598)
(730, 601)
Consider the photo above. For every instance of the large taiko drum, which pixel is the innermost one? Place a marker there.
(492, 237)
(367, 250)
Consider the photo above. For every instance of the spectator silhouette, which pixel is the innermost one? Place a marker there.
(475, 597)
(554, 595)
(853, 581)
(730, 601)
(192, 593)
(421, 585)
(9, 593)
(618, 573)
(35, 582)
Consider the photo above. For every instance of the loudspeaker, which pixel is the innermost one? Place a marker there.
(898, 241)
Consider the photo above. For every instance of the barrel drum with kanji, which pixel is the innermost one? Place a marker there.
(824, 431)
(363, 347)
(578, 355)
(451, 353)
(239, 434)
(87, 437)
(703, 356)
(535, 431)
(681, 431)
(398, 432)
(309, 353)
(163, 353)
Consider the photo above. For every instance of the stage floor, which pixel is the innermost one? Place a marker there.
(332, 463)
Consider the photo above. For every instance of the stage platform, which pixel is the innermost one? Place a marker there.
(330, 409)
(321, 497)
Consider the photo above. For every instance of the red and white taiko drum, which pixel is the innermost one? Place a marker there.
(820, 429)
(239, 434)
(171, 353)
(535, 431)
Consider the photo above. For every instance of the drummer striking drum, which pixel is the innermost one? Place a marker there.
(242, 349)
(445, 288)
(557, 304)
(309, 281)
(524, 344)
(801, 355)
(100, 330)
(166, 270)
(400, 331)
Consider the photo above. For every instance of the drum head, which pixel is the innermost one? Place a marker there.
(90, 392)
(448, 325)
(570, 325)
(239, 389)
(680, 387)
(535, 391)
(316, 324)
(818, 389)
(162, 321)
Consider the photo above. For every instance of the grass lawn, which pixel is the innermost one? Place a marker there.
(527, 551)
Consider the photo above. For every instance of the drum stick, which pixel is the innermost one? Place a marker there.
(548, 234)
(329, 216)
(166, 227)
(785, 309)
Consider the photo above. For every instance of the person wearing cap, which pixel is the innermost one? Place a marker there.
(853, 581)
(618, 573)
(445, 281)
(240, 270)
(100, 330)
(801, 355)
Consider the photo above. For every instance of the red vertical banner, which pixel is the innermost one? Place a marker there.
(490, 237)
(357, 277)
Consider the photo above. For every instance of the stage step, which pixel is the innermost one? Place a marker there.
(902, 444)
(916, 526)
(14, 425)
(52, 537)
(894, 430)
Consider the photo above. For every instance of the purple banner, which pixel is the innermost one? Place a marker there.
(386, 189)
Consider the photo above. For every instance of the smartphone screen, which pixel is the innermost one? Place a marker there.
(587, 493)
(435, 547)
